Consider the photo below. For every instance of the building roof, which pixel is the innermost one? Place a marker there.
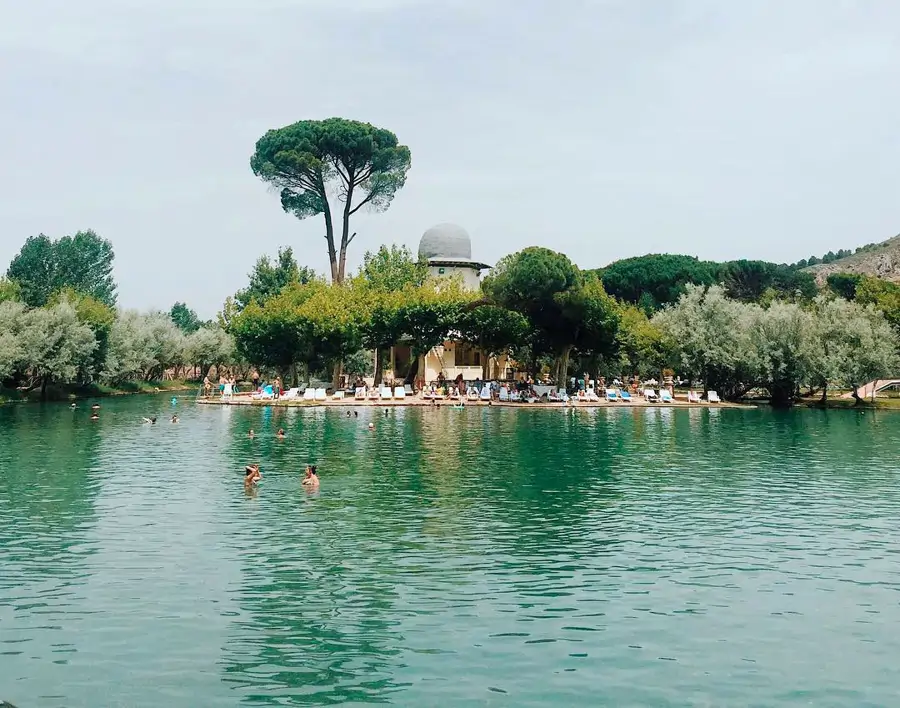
(448, 245)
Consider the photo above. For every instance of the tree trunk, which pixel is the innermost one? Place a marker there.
(336, 377)
(824, 398)
(345, 230)
(856, 397)
(44, 388)
(562, 366)
(378, 371)
(329, 238)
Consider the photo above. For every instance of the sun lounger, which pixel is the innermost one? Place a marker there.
(386, 393)
(399, 392)
(665, 396)
(338, 396)
(360, 394)
(591, 396)
(321, 394)
(472, 395)
(504, 394)
(713, 397)
(309, 394)
(650, 395)
(612, 395)
(373, 394)
(291, 393)
(428, 394)
(514, 396)
(485, 394)
(408, 390)
(624, 396)
(693, 397)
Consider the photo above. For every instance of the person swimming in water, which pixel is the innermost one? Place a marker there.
(151, 421)
(251, 434)
(348, 414)
(252, 475)
(280, 434)
(356, 414)
(174, 417)
(95, 416)
(95, 407)
(311, 479)
(73, 406)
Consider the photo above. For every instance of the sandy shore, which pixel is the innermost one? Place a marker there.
(416, 401)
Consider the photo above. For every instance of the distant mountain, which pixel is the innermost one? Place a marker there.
(880, 260)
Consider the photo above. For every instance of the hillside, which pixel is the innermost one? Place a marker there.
(881, 260)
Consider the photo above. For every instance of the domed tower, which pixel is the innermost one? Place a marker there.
(448, 249)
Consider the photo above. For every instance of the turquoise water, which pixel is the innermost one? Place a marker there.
(651, 557)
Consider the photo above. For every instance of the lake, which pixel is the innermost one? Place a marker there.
(501, 557)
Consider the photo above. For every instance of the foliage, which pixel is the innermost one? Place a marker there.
(96, 315)
(143, 346)
(655, 280)
(268, 279)
(643, 349)
(365, 165)
(208, 346)
(495, 330)
(10, 291)
(844, 284)
(749, 281)
(82, 262)
(11, 353)
(184, 318)
(392, 269)
(55, 345)
(883, 295)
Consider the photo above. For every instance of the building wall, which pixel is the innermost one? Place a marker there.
(470, 277)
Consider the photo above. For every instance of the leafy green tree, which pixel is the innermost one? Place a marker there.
(844, 284)
(207, 347)
(56, 346)
(12, 357)
(643, 348)
(748, 281)
(393, 268)
(881, 294)
(82, 262)
(778, 338)
(9, 290)
(365, 165)
(493, 329)
(143, 346)
(270, 279)
(655, 280)
(96, 315)
(184, 318)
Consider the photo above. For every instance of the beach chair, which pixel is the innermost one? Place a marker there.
(612, 395)
(399, 392)
(373, 394)
(553, 397)
(485, 394)
(693, 397)
(713, 397)
(504, 394)
(472, 395)
(624, 396)
(408, 389)
(360, 394)
(665, 396)
(309, 394)
(650, 395)
(337, 396)
(386, 394)
(428, 394)
(514, 396)
(321, 394)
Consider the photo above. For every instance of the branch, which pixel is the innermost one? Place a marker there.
(361, 204)
(351, 238)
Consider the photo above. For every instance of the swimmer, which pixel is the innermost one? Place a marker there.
(348, 414)
(95, 407)
(175, 418)
(371, 426)
(280, 434)
(73, 406)
(94, 416)
(251, 475)
(151, 421)
(385, 412)
(356, 414)
(311, 479)
(251, 434)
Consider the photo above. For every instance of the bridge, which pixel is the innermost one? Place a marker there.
(873, 387)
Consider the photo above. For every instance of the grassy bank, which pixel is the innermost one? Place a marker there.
(71, 393)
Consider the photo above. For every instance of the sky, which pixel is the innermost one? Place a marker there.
(600, 128)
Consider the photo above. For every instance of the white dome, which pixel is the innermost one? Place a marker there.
(446, 241)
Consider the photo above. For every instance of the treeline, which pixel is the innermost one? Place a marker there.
(550, 317)
(59, 323)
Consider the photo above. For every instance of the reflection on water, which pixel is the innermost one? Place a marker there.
(644, 556)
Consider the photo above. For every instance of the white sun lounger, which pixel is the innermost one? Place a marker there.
(612, 395)
(309, 394)
(485, 394)
(693, 397)
(321, 394)
(399, 392)
(337, 396)
(650, 395)
(713, 397)
(360, 394)
(665, 396)
(472, 395)
(386, 394)
(504, 394)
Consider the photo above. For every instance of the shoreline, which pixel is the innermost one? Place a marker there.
(81, 393)
(416, 402)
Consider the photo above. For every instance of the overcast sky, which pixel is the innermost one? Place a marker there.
(600, 128)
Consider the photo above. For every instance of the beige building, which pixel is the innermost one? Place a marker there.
(448, 249)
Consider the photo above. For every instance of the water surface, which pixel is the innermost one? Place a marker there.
(650, 557)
